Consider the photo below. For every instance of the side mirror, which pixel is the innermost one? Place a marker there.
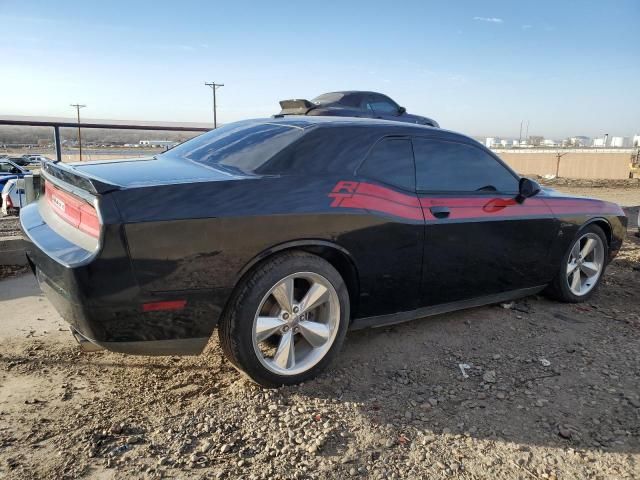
(527, 188)
(401, 110)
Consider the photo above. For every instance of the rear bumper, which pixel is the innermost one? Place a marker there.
(121, 328)
(100, 299)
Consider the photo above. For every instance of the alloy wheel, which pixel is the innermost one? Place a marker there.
(585, 264)
(296, 323)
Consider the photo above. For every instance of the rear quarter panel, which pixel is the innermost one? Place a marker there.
(202, 236)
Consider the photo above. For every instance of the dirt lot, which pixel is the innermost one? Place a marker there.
(553, 392)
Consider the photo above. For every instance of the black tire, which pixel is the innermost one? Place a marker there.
(235, 328)
(559, 289)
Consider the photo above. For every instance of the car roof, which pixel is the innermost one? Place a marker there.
(349, 92)
(389, 127)
(9, 160)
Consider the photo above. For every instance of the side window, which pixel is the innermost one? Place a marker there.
(457, 167)
(352, 100)
(6, 167)
(382, 105)
(391, 161)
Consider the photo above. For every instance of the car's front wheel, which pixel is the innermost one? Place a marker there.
(287, 319)
(582, 266)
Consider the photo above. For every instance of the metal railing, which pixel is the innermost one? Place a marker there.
(110, 126)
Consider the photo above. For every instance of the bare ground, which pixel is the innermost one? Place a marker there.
(553, 392)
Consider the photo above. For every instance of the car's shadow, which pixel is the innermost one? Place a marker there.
(539, 373)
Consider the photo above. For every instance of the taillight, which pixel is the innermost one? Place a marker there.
(73, 210)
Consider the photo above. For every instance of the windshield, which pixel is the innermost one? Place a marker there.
(243, 146)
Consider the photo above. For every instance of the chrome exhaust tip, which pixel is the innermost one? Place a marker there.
(85, 344)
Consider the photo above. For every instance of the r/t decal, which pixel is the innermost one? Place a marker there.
(341, 191)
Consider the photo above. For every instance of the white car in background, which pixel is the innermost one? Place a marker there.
(13, 197)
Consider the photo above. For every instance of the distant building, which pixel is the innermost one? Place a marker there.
(504, 143)
(491, 141)
(580, 141)
(619, 142)
(536, 140)
(547, 142)
(157, 143)
(636, 141)
(599, 142)
(514, 143)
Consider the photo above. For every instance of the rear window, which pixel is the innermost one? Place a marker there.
(328, 98)
(324, 150)
(243, 146)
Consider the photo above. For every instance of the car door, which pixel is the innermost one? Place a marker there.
(383, 107)
(390, 273)
(479, 240)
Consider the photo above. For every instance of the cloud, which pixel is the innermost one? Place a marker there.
(527, 27)
(488, 19)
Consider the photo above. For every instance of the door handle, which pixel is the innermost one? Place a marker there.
(440, 212)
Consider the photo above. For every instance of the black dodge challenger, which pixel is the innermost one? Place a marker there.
(285, 233)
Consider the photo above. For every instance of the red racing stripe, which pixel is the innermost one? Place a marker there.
(387, 194)
(382, 205)
(347, 194)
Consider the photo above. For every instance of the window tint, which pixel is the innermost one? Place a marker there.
(382, 105)
(323, 150)
(6, 167)
(457, 167)
(391, 161)
(352, 100)
(243, 146)
(328, 98)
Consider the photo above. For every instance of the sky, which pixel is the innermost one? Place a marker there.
(566, 67)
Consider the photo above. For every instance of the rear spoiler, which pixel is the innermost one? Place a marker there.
(67, 174)
(296, 107)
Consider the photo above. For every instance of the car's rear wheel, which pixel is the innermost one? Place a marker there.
(582, 266)
(287, 319)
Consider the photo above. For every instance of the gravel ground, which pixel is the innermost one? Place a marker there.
(9, 226)
(551, 391)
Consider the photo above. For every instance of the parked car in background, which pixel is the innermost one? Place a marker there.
(13, 197)
(285, 233)
(9, 169)
(36, 159)
(26, 160)
(353, 104)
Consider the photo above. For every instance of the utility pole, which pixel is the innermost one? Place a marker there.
(559, 156)
(77, 106)
(214, 86)
(520, 137)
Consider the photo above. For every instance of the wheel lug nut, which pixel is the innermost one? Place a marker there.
(296, 309)
(285, 316)
(285, 328)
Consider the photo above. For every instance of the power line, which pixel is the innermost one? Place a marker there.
(214, 86)
(78, 106)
